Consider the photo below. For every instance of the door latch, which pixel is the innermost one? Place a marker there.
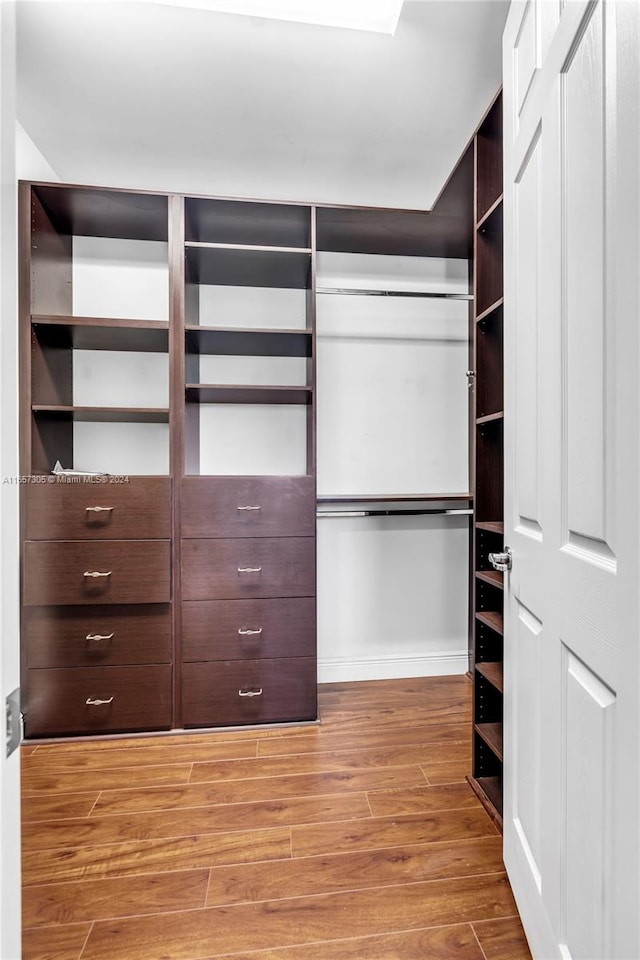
(13, 722)
(501, 561)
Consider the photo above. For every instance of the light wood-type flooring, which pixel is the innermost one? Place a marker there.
(355, 838)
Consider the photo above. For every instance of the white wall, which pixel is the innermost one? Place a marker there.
(392, 412)
(9, 552)
(31, 164)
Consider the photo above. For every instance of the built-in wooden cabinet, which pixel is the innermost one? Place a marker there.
(168, 359)
(488, 528)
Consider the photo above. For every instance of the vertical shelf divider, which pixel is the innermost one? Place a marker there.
(177, 427)
(486, 640)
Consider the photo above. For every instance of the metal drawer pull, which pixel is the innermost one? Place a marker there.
(248, 508)
(247, 632)
(96, 573)
(250, 693)
(249, 569)
(98, 509)
(97, 703)
(100, 636)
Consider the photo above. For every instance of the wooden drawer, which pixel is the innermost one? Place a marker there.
(139, 509)
(137, 698)
(232, 692)
(248, 507)
(248, 629)
(137, 571)
(97, 636)
(248, 568)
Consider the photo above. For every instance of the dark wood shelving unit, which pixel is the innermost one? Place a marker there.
(492, 619)
(494, 577)
(167, 563)
(489, 791)
(238, 393)
(62, 412)
(494, 209)
(490, 309)
(490, 417)
(102, 333)
(492, 672)
(254, 342)
(246, 266)
(492, 526)
(400, 498)
(247, 223)
(101, 212)
(487, 642)
(491, 733)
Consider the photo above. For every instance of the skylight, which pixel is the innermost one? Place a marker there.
(378, 16)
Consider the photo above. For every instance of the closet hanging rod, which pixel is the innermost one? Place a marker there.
(357, 292)
(393, 513)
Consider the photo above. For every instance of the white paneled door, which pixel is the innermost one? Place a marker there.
(572, 446)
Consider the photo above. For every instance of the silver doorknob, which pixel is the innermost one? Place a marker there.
(501, 561)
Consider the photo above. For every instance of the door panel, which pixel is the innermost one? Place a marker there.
(572, 448)
(527, 438)
(527, 740)
(584, 316)
(587, 729)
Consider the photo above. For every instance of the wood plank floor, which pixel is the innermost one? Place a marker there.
(356, 838)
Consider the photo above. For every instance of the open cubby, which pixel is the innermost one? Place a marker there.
(252, 267)
(488, 702)
(489, 497)
(489, 645)
(247, 223)
(96, 331)
(244, 342)
(492, 671)
(489, 262)
(489, 161)
(489, 365)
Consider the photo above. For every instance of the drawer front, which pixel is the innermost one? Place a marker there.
(139, 509)
(248, 507)
(232, 692)
(97, 636)
(248, 568)
(135, 698)
(248, 629)
(131, 571)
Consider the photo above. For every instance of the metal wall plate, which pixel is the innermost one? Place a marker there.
(14, 721)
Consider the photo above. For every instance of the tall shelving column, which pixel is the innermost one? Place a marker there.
(488, 533)
(247, 495)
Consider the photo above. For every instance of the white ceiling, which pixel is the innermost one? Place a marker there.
(151, 96)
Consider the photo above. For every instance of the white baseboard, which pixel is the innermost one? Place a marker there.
(342, 670)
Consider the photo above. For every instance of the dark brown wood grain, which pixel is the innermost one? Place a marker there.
(487, 593)
(249, 567)
(64, 701)
(490, 364)
(137, 571)
(249, 691)
(489, 159)
(136, 508)
(248, 629)
(97, 636)
(215, 507)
